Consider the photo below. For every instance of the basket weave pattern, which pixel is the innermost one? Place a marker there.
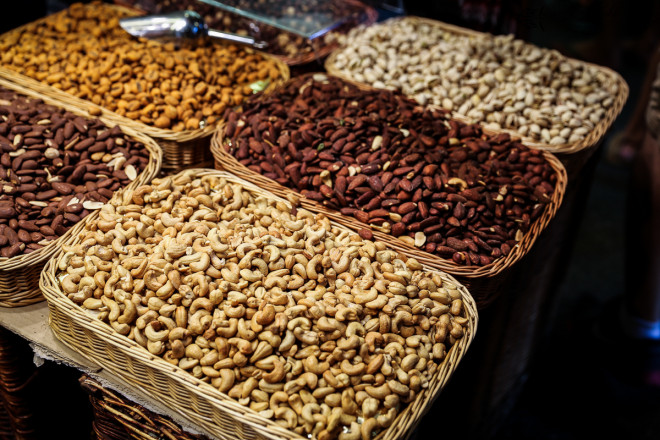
(198, 402)
(17, 414)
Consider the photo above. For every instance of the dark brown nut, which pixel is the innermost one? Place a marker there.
(62, 188)
(46, 195)
(12, 236)
(73, 208)
(398, 229)
(71, 218)
(47, 147)
(456, 244)
(7, 212)
(362, 216)
(23, 236)
(359, 180)
(12, 251)
(46, 230)
(365, 233)
(28, 225)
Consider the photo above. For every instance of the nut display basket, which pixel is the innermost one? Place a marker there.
(306, 52)
(198, 402)
(117, 418)
(19, 276)
(484, 282)
(573, 154)
(181, 149)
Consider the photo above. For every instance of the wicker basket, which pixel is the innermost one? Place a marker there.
(484, 282)
(17, 410)
(19, 276)
(320, 49)
(180, 149)
(198, 402)
(573, 155)
(117, 418)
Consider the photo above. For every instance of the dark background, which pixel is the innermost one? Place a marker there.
(571, 389)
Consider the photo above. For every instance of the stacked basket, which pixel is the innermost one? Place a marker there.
(116, 418)
(17, 409)
(183, 145)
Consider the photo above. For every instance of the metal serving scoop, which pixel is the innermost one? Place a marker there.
(180, 24)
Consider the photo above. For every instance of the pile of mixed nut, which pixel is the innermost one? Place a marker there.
(84, 52)
(56, 168)
(325, 333)
(440, 185)
(500, 81)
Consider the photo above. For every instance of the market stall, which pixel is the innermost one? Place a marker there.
(326, 280)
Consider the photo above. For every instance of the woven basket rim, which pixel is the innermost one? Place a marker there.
(151, 131)
(231, 164)
(151, 170)
(589, 141)
(408, 417)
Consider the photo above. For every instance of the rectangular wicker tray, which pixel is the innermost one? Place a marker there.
(198, 402)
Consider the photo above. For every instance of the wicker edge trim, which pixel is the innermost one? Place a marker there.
(151, 170)
(64, 314)
(85, 105)
(229, 163)
(589, 141)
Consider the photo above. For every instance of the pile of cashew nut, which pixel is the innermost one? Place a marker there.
(309, 325)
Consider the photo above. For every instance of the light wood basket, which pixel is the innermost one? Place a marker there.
(181, 150)
(198, 402)
(19, 276)
(572, 155)
(485, 282)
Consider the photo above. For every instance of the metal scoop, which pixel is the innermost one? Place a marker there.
(180, 24)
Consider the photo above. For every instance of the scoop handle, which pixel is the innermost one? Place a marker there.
(236, 38)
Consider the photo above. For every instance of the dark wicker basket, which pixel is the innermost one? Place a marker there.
(117, 418)
(17, 415)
